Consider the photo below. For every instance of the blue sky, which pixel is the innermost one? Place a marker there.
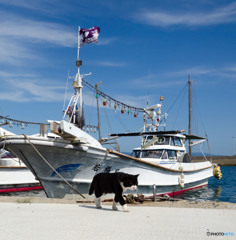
(146, 49)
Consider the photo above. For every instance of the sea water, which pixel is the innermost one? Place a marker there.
(223, 190)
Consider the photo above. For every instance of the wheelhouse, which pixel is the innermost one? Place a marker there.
(162, 147)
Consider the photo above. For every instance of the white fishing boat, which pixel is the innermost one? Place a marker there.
(66, 159)
(14, 175)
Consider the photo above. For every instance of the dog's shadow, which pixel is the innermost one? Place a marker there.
(101, 209)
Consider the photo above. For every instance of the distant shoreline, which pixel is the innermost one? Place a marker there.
(220, 160)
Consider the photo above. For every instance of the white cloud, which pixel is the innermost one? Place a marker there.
(106, 41)
(196, 71)
(18, 36)
(161, 18)
(25, 29)
(14, 52)
(13, 96)
(110, 64)
(171, 79)
(231, 69)
(134, 101)
(15, 75)
(43, 93)
(53, 8)
(23, 89)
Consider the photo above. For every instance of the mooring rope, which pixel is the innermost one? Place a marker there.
(53, 167)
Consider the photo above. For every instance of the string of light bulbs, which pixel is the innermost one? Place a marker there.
(10, 121)
(107, 100)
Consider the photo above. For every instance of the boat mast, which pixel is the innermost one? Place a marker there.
(190, 113)
(77, 85)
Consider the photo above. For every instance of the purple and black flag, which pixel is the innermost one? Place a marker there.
(88, 35)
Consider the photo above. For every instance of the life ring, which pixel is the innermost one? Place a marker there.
(161, 140)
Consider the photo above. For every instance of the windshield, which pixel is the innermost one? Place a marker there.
(160, 154)
(172, 154)
(152, 154)
(163, 140)
(175, 141)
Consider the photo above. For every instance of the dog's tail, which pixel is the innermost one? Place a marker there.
(91, 189)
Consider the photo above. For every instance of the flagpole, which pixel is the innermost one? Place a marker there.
(78, 43)
(77, 84)
(79, 80)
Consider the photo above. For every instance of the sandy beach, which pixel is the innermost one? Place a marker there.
(41, 219)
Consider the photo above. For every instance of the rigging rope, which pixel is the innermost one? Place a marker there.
(112, 99)
(108, 122)
(177, 98)
(52, 167)
(178, 112)
(66, 91)
(19, 121)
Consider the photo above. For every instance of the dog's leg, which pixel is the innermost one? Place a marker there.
(98, 202)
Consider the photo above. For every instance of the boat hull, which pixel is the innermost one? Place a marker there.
(17, 178)
(79, 163)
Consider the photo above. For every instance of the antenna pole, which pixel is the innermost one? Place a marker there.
(97, 96)
(78, 64)
(190, 113)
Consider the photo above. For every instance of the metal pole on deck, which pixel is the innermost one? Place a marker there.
(154, 193)
(190, 113)
(97, 96)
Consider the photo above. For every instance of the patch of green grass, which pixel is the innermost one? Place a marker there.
(24, 200)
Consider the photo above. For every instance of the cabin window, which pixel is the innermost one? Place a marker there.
(160, 154)
(161, 140)
(164, 155)
(152, 154)
(175, 141)
(136, 154)
(172, 154)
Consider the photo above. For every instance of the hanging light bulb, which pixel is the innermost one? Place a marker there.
(104, 102)
(97, 96)
(95, 130)
(135, 114)
(10, 124)
(122, 110)
(128, 111)
(68, 112)
(161, 98)
(22, 126)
